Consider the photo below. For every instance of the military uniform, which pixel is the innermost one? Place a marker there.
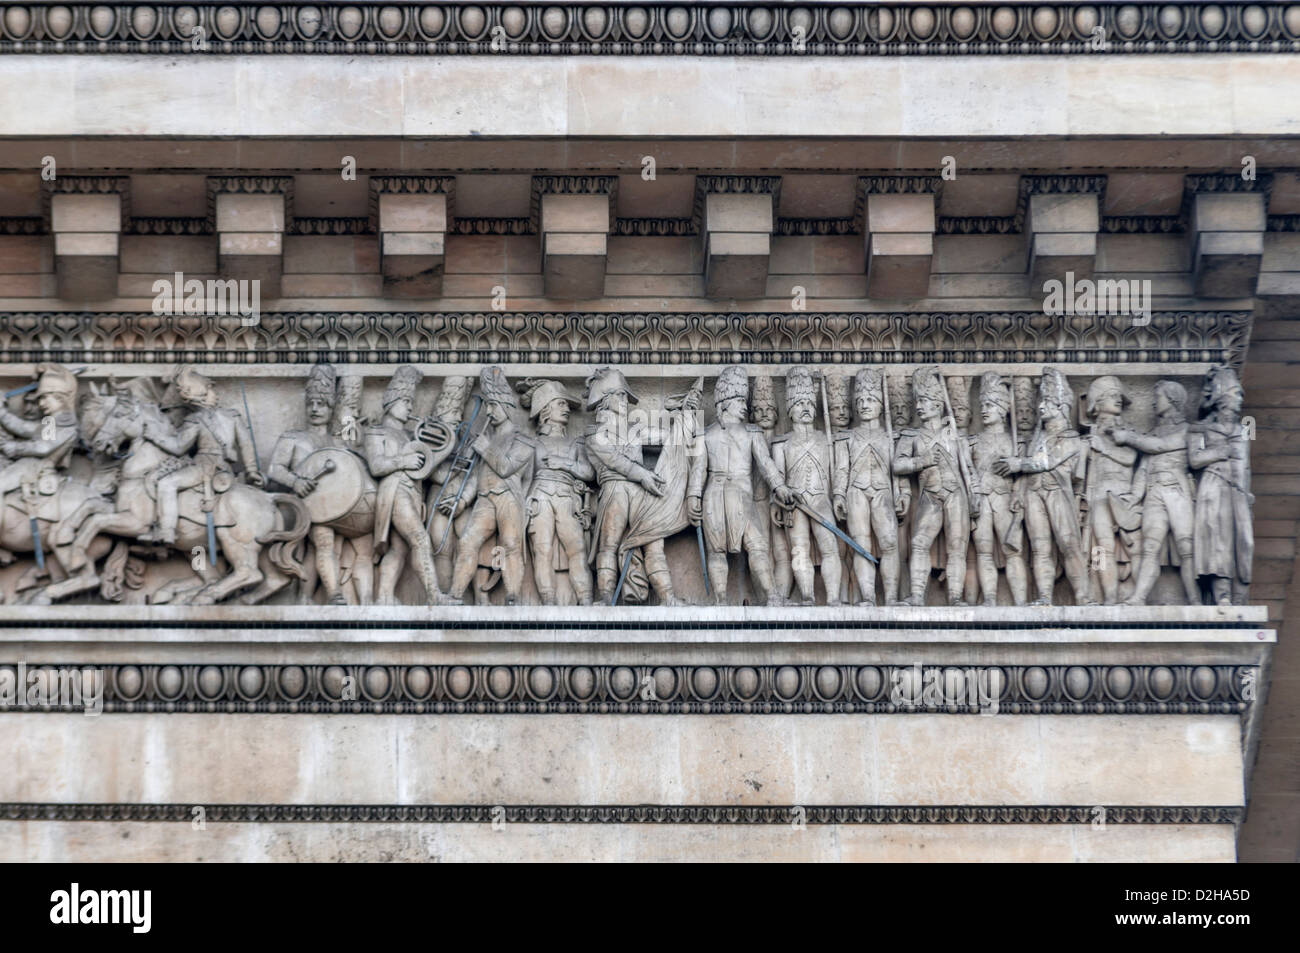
(864, 480)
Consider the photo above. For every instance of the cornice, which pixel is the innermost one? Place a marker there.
(510, 29)
(721, 689)
(784, 815)
(623, 337)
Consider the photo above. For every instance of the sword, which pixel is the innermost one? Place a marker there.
(251, 436)
(36, 540)
(704, 563)
(814, 515)
(627, 564)
(212, 540)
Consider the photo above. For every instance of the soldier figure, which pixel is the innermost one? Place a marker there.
(1108, 486)
(400, 464)
(449, 410)
(804, 458)
(867, 495)
(503, 454)
(1164, 484)
(220, 437)
(44, 444)
(999, 511)
(720, 491)
(1219, 446)
(290, 453)
(557, 506)
(763, 413)
(940, 458)
(615, 449)
(1053, 461)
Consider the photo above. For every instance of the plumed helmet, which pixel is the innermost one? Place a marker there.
(1054, 389)
(191, 385)
(868, 382)
(402, 386)
(733, 382)
(837, 391)
(538, 394)
(450, 405)
(1218, 381)
(321, 384)
(495, 388)
(764, 395)
(605, 381)
(799, 387)
(1102, 386)
(927, 383)
(56, 379)
(994, 390)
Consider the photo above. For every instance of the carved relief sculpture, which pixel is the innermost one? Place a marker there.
(504, 472)
(1219, 446)
(557, 501)
(940, 459)
(763, 413)
(1112, 520)
(1163, 486)
(323, 470)
(868, 497)
(1053, 464)
(805, 463)
(400, 464)
(720, 492)
(999, 510)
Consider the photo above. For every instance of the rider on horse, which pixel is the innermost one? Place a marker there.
(46, 444)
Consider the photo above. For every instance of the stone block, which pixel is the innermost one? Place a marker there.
(412, 213)
(574, 264)
(1228, 243)
(726, 212)
(736, 264)
(240, 212)
(85, 213)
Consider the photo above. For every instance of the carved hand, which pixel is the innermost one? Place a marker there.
(255, 477)
(901, 504)
(9, 448)
(784, 495)
(694, 510)
(303, 486)
(413, 460)
(841, 509)
(1006, 466)
(653, 483)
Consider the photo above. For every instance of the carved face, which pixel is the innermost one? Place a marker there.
(1231, 400)
(868, 407)
(765, 416)
(732, 411)
(557, 411)
(1163, 404)
(991, 413)
(616, 403)
(52, 403)
(803, 412)
(839, 413)
(1049, 412)
(498, 413)
(400, 409)
(927, 408)
(1110, 402)
(318, 411)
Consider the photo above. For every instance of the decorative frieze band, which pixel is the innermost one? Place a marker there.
(622, 814)
(643, 689)
(499, 28)
(623, 337)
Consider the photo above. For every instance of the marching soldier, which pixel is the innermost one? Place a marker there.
(557, 500)
(1108, 486)
(1054, 458)
(805, 460)
(939, 457)
(400, 467)
(763, 413)
(503, 453)
(720, 491)
(219, 437)
(999, 512)
(868, 497)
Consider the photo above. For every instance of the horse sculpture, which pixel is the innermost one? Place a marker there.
(249, 527)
